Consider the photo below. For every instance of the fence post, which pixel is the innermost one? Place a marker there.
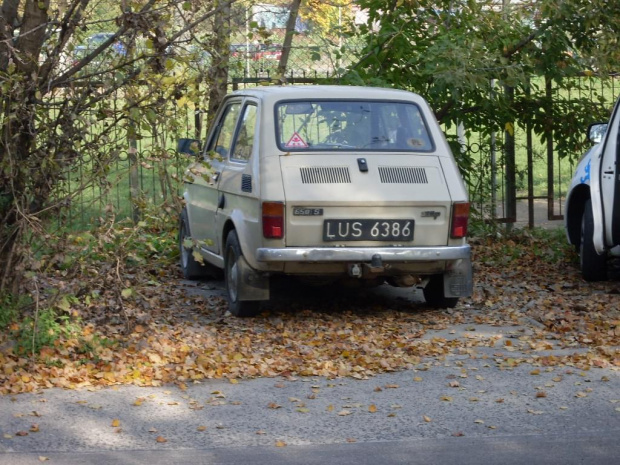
(530, 162)
(511, 188)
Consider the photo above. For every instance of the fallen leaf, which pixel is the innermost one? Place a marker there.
(446, 398)
(161, 439)
(479, 421)
(43, 458)
(21, 433)
(280, 444)
(7, 436)
(330, 408)
(392, 386)
(535, 412)
(201, 428)
(351, 440)
(273, 405)
(115, 423)
(344, 413)
(427, 419)
(34, 428)
(303, 410)
(458, 434)
(535, 372)
(417, 379)
(541, 394)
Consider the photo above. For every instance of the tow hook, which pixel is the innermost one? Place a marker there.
(355, 270)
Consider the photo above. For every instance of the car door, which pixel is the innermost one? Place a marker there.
(238, 192)
(202, 196)
(605, 187)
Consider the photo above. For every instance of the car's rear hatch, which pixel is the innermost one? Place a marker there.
(365, 199)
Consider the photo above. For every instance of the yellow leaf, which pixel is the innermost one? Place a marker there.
(116, 423)
(233, 381)
(34, 428)
(137, 403)
(510, 129)
(280, 444)
(427, 419)
(161, 439)
(372, 408)
(330, 408)
(446, 398)
(535, 372)
(417, 379)
(201, 428)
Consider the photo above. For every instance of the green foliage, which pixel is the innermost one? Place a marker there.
(10, 309)
(43, 330)
(463, 56)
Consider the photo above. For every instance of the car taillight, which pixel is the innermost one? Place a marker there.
(273, 220)
(460, 218)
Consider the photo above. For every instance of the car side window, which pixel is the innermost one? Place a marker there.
(244, 143)
(226, 128)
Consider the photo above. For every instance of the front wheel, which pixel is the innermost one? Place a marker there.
(189, 265)
(593, 265)
(435, 296)
(232, 275)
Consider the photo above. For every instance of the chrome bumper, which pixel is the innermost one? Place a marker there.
(363, 254)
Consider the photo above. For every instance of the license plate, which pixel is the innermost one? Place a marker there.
(368, 230)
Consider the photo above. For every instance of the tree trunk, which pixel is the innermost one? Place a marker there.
(217, 75)
(288, 38)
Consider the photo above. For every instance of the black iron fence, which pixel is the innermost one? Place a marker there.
(503, 169)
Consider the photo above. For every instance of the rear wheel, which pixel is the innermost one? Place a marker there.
(593, 265)
(435, 295)
(240, 308)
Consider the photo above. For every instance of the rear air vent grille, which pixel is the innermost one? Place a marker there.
(402, 175)
(246, 183)
(325, 175)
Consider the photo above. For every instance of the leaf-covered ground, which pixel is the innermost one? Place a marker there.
(126, 317)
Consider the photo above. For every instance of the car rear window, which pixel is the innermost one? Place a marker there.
(330, 125)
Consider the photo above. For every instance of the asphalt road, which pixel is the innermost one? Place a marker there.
(467, 408)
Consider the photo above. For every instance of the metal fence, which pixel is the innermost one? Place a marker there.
(505, 170)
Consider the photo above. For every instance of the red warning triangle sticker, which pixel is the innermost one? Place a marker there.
(296, 141)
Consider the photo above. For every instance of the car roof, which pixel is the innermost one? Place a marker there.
(271, 94)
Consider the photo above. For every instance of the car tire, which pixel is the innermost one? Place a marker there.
(593, 265)
(190, 267)
(232, 276)
(435, 296)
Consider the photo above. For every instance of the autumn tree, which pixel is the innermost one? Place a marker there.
(65, 92)
(452, 51)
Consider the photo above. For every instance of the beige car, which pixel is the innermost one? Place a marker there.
(326, 183)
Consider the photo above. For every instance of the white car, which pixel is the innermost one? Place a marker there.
(326, 183)
(593, 202)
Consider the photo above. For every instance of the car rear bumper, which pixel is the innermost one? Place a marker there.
(363, 254)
